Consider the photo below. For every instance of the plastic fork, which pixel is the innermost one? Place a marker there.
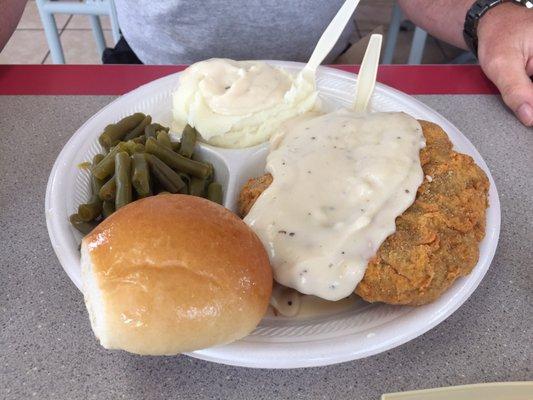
(366, 79)
(331, 35)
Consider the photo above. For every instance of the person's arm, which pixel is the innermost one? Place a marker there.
(10, 13)
(505, 46)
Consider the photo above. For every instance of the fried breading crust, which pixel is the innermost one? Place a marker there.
(436, 239)
(251, 191)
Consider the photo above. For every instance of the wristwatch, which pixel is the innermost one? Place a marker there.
(474, 14)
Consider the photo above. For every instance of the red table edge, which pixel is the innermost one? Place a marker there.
(119, 79)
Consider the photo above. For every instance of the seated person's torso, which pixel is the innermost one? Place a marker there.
(183, 32)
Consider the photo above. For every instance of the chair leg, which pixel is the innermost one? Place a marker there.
(417, 46)
(114, 21)
(464, 58)
(98, 33)
(51, 33)
(392, 34)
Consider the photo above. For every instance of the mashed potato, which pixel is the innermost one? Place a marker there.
(238, 104)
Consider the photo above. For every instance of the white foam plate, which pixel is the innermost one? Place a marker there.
(278, 342)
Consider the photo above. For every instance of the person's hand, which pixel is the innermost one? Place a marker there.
(505, 52)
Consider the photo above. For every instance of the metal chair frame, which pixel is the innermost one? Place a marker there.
(417, 45)
(93, 8)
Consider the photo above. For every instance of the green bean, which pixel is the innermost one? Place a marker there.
(97, 158)
(93, 208)
(214, 192)
(140, 177)
(139, 129)
(114, 133)
(188, 141)
(139, 140)
(161, 127)
(108, 208)
(187, 180)
(106, 167)
(168, 178)
(163, 139)
(90, 211)
(211, 175)
(176, 161)
(84, 165)
(151, 130)
(82, 226)
(197, 187)
(109, 190)
(131, 147)
(123, 179)
(154, 183)
(96, 183)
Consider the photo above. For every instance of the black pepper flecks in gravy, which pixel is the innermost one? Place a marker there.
(339, 182)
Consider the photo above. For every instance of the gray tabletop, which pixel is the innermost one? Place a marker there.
(47, 348)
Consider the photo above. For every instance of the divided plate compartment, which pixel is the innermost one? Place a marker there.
(278, 342)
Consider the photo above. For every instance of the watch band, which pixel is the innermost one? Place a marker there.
(474, 14)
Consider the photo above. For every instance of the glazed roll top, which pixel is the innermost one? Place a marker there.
(173, 273)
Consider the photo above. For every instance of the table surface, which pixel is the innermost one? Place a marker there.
(47, 348)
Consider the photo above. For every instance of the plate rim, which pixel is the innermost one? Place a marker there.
(219, 354)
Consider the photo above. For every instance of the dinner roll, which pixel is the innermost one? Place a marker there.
(173, 273)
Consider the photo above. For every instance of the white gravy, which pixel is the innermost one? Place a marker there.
(339, 182)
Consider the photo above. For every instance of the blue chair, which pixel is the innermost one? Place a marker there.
(417, 46)
(92, 8)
